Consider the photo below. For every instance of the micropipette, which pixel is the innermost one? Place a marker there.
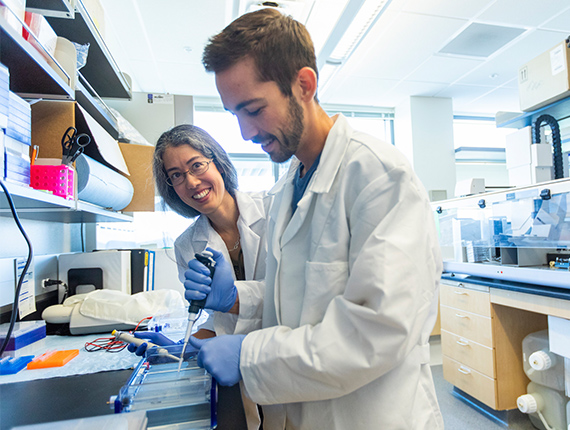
(127, 337)
(197, 305)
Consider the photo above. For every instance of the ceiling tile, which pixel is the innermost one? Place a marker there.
(392, 51)
(504, 99)
(523, 12)
(560, 22)
(504, 67)
(365, 91)
(448, 8)
(441, 69)
(147, 76)
(187, 79)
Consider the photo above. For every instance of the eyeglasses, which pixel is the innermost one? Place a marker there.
(198, 168)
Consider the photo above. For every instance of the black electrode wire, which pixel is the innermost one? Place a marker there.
(22, 276)
(558, 160)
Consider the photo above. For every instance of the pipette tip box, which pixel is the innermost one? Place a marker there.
(24, 333)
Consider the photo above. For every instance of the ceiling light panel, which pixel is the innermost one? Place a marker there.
(481, 40)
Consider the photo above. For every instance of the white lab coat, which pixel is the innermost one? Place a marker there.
(200, 235)
(351, 296)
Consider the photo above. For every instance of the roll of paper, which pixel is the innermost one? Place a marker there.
(102, 186)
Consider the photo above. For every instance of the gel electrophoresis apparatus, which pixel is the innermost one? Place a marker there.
(171, 399)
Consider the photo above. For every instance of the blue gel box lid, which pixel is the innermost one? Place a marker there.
(24, 333)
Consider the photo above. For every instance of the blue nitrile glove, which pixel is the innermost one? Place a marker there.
(220, 357)
(221, 290)
(174, 348)
(156, 338)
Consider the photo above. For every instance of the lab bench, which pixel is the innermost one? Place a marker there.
(27, 399)
(483, 323)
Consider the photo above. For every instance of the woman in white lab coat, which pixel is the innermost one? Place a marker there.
(196, 178)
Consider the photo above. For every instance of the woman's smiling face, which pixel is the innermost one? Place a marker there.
(203, 193)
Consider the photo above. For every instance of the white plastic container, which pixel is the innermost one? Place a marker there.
(544, 405)
(540, 364)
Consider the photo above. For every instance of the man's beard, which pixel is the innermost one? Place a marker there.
(291, 137)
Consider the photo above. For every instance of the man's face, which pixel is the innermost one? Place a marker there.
(265, 115)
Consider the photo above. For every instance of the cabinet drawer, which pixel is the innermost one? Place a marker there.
(469, 353)
(466, 324)
(466, 299)
(469, 380)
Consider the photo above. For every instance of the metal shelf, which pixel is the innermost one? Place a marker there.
(101, 71)
(559, 110)
(59, 8)
(30, 74)
(102, 115)
(43, 206)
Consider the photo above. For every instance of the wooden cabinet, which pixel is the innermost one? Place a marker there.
(482, 344)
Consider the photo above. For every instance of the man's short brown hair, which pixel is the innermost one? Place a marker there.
(279, 45)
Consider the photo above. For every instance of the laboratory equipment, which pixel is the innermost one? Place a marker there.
(197, 305)
(546, 407)
(171, 399)
(509, 235)
(540, 364)
(24, 338)
(53, 359)
(129, 338)
(9, 366)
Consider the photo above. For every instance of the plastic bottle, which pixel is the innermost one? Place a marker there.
(546, 407)
(541, 365)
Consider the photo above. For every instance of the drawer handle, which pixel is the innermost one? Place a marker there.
(461, 316)
(460, 293)
(464, 370)
(462, 342)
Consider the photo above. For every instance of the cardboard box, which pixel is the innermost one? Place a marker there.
(545, 79)
(139, 162)
(50, 120)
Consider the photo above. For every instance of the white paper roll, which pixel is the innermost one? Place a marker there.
(102, 186)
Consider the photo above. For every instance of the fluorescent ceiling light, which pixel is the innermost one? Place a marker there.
(298, 9)
(358, 28)
(356, 20)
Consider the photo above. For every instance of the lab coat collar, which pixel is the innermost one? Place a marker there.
(248, 210)
(333, 152)
(280, 184)
(332, 155)
(201, 235)
(249, 230)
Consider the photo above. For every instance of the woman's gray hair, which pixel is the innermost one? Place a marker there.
(205, 144)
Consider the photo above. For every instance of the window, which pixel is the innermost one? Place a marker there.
(480, 150)
(256, 172)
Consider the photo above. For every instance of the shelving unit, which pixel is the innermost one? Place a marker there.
(101, 71)
(43, 206)
(60, 8)
(559, 110)
(32, 77)
(30, 74)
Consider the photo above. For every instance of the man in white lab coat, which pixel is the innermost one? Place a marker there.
(340, 338)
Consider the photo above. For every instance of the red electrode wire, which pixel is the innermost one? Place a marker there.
(110, 344)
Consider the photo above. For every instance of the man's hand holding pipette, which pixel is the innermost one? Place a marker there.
(155, 338)
(158, 340)
(220, 290)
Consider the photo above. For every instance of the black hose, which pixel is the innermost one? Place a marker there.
(556, 142)
(14, 315)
